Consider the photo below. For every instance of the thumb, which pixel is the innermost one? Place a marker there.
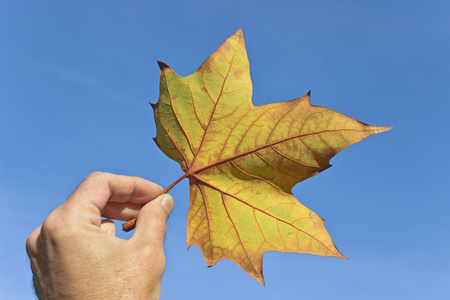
(151, 221)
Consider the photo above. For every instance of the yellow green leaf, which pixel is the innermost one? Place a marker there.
(243, 160)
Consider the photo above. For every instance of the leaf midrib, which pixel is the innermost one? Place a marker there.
(193, 172)
(214, 109)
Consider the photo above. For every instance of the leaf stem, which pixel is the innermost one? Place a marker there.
(129, 225)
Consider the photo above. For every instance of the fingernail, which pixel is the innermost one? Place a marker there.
(167, 202)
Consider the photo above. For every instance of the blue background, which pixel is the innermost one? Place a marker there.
(76, 78)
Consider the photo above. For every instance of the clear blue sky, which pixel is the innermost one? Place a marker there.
(76, 78)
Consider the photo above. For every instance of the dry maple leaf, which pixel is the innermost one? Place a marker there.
(243, 160)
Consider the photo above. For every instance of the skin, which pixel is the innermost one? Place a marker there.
(75, 254)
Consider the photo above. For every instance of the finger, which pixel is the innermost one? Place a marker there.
(121, 211)
(99, 188)
(108, 227)
(151, 221)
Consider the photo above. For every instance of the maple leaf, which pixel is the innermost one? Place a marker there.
(242, 160)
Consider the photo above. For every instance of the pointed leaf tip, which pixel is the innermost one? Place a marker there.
(379, 129)
(309, 93)
(260, 278)
(162, 65)
(386, 128)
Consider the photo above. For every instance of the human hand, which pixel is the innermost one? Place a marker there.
(76, 255)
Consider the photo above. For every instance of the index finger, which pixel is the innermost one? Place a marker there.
(100, 188)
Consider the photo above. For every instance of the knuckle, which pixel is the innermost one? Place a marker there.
(31, 245)
(53, 225)
(95, 175)
(159, 221)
